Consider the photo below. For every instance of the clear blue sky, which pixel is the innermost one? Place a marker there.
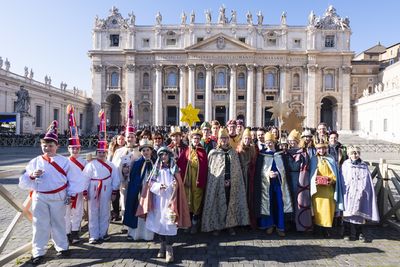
(53, 36)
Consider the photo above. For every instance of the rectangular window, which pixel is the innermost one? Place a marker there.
(38, 116)
(171, 97)
(200, 39)
(269, 98)
(240, 97)
(80, 120)
(200, 97)
(371, 126)
(330, 41)
(171, 41)
(385, 125)
(297, 43)
(55, 112)
(242, 39)
(146, 42)
(114, 40)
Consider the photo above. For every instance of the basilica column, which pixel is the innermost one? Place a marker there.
(346, 106)
(311, 118)
(158, 105)
(232, 93)
(191, 95)
(208, 98)
(259, 97)
(98, 91)
(283, 85)
(250, 96)
(182, 90)
(130, 90)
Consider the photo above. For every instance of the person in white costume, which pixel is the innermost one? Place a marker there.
(164, 203)
(131, 149)
(74, 211)
(140, 171)
(103, 186)
(52, 181)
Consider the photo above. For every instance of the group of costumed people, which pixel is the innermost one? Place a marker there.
(219, 178)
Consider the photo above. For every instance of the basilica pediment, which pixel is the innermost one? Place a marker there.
(220, 42)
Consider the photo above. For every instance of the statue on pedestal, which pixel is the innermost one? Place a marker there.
(208, 16)
(233, 17)
(31, 74)
(158, 18)
(283, 18)
(260, 18)
(249, 18)
(7, 64)
(26, 72)
(183, 18)
(192, 17)
(132, 18)
(22, 104)
(1, 62)
(221, 16)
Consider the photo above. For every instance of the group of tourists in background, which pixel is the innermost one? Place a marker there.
(209, 179)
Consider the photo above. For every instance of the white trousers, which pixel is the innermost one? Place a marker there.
(73, 217)
(48, 211)
(99, 209)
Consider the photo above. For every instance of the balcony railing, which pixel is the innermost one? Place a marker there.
(113, 88)
(170, 89)
(274, 89)
(220, 89)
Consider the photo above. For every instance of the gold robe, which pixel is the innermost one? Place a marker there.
(323, 202)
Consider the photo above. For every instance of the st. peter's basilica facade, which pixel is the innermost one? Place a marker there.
(225, 68)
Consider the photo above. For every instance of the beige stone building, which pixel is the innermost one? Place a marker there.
(31, 105)
(225, 68)
(376, 86)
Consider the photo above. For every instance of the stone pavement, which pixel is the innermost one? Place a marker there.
(247, 248)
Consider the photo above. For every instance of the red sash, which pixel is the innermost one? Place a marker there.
(55, 190)
(55, 165)
(77, 163)
(105, 165)
(100, 184)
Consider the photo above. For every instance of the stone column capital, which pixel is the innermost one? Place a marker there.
(250, 67)
(192, 67)
(208, 67)
(158, 67)
(260, 68)
(346, 69)
(98, 68)
(130, 67)
(312, 67)
(182, 68)
(233, 67)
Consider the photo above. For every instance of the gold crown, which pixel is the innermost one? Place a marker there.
(175, 130)
(223, 133)
(269, 137)
(294, 135)
(196, 132)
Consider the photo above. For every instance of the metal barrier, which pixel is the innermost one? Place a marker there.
(26, 141)
(387, 190)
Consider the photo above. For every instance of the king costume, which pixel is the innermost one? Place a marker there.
(225, 204)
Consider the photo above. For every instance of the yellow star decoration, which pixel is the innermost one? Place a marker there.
(279, 110)
(190, 115)
(293, 122)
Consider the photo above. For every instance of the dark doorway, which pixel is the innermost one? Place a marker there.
(267, 118)
(115, 110)
(328, 112)
(172, 115)
(220, 114)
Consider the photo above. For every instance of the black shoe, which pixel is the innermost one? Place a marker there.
(37, 260)
(69, 236)
(106, 237)
(63, 253)
(124, 231)
(364, 239)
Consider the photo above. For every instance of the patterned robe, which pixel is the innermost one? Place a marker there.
(217, 214)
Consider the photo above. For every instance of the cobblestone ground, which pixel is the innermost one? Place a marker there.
(247, 248)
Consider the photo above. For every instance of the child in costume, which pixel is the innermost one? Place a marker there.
(52, 182)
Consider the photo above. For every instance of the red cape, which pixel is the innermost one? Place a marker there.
(202, 173)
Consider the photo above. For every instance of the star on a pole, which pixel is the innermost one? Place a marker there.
(293, 121)
(279, 110)
(190, 115)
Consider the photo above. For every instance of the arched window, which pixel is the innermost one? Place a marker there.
(270, 80)
(114, 79)
(329, 81)
(146, 79)
(296, 81)
(221, 79)
(241, 81)
(200, 81)
(172, 80)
